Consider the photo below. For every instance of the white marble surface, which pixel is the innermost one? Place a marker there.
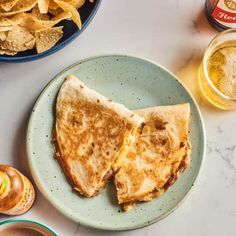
(172, 33)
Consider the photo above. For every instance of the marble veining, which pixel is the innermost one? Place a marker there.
(227, 154)
(76, 232)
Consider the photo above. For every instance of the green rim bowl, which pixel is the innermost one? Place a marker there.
(27, 224)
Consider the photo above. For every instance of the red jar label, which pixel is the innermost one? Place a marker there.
(225, 13)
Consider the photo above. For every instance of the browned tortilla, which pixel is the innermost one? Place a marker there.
(91, 132)
(160, 153)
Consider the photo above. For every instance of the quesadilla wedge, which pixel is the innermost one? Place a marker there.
(160, 153)
(91, 132)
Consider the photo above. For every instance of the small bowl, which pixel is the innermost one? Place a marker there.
(35, 227)
(70, 32)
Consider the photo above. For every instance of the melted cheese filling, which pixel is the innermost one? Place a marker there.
(129, 140)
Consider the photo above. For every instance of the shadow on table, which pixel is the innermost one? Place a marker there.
(19, 153)
(188, 73)
(189, 77)
(202, 24)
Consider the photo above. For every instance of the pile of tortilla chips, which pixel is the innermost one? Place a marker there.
(26, 24)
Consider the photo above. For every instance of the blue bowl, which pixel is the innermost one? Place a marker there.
(87, 12)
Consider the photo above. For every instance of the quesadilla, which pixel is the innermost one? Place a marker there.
(160, 153)
(91, 133)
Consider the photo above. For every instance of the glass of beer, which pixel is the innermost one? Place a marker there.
(217, 73)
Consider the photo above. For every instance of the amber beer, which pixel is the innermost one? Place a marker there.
(221, 13)
(217, 73)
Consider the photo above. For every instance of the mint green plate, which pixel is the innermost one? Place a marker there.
(137, 83)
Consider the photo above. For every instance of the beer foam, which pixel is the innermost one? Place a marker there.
(222, 70)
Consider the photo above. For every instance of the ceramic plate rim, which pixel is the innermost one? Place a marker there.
(61, 209)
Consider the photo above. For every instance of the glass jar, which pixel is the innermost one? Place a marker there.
(16, 191)
(217, 73)
(221, 13)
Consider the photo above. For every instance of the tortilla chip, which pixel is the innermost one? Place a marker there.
(43, 6)
(75, 3)
(3, 35)
(62, 16)
(54, 9)
(7, 52)
(6, 24)
(47, 38)
(32, 24)
(55, 12)
(5, 28)
(20, 6)
(53, 5)
(4, 1)
(80, 3)
(68, 8)
(22, 20)
(7, 6)
(18, 39)
(36, 13)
